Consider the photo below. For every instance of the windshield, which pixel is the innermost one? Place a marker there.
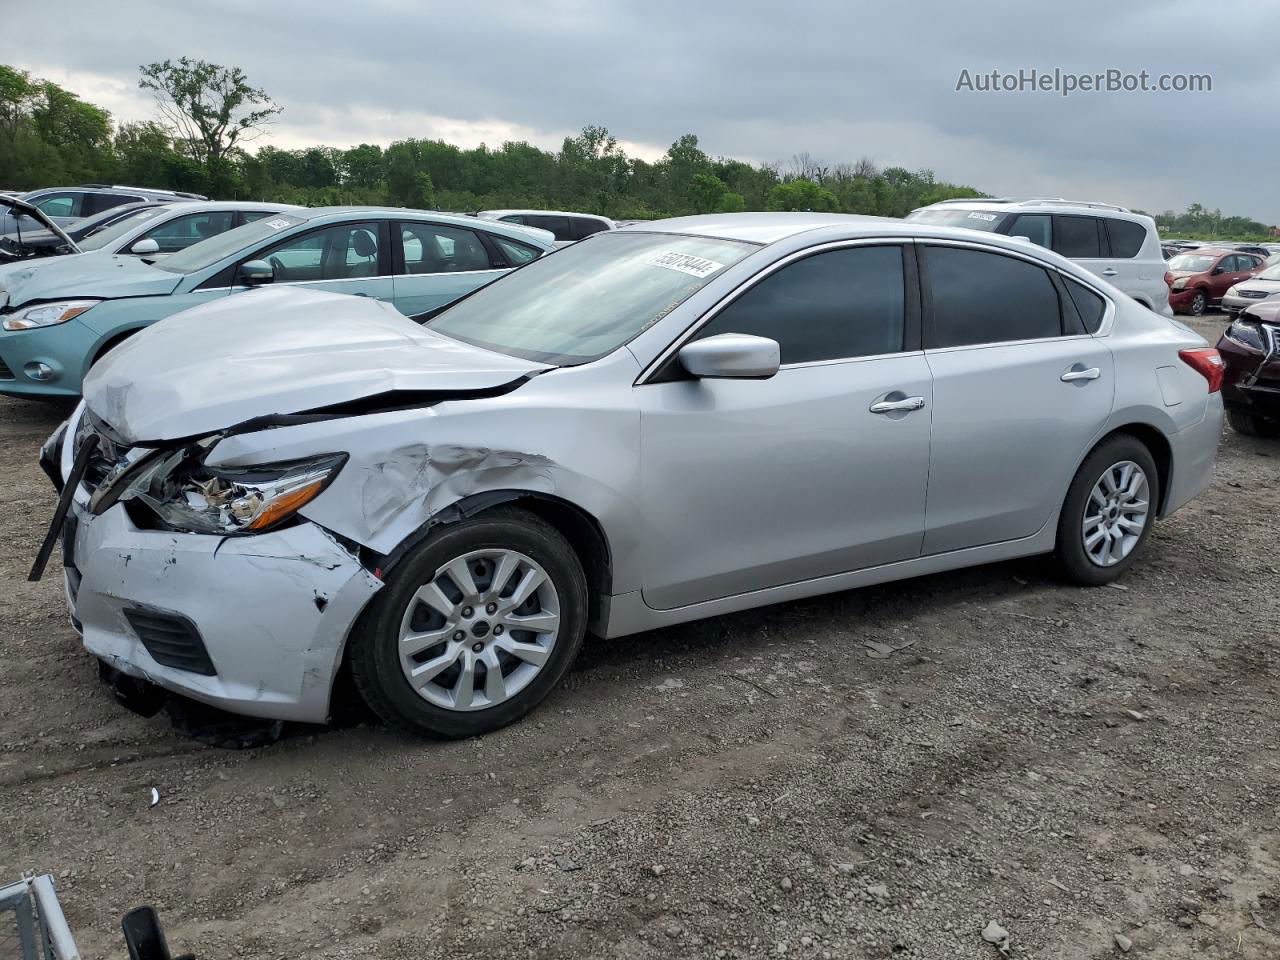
(208, 252)
(120, 228)
(1194, 263)
(973, 219)
(587, 300)
(91, 225)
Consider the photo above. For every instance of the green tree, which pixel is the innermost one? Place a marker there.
(801, 195)
(213, 109)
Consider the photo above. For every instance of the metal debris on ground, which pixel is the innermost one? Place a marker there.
(883, 651)
(997, 936)
(155, 797)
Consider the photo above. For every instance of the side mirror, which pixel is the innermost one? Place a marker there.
(1217, 270)
(255, 272)
(146, 247)
(731, 356)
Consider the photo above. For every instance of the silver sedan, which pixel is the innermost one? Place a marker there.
(666, 422)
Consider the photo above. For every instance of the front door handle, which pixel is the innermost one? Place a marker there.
(1109, 272)
(1079, 372)
(895, 406)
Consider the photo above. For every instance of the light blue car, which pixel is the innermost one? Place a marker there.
(59, 317)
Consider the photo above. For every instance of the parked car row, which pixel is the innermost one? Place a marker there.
(276, 485)
(66, 205)
(59, 316)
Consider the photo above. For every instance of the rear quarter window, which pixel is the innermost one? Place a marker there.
(1127, 238)
(1091, 307)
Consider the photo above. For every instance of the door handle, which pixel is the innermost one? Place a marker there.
(1109, 272)
(893, 406)
(1081, 373)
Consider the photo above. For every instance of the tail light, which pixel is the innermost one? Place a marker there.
(1168, 279)
(1207, 363)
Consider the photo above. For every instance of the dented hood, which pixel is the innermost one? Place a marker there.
(87, 275)
(278, 351)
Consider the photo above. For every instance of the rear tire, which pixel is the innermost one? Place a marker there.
(448, 689)
(1099, 535)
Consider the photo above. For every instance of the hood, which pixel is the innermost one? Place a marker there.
(18, 207)
(1268, 311)
(271, 352)
(85, 275)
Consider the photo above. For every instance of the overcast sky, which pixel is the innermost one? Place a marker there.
(755, 81)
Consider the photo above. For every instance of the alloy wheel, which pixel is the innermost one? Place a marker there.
(1116, 513)
(480, 630)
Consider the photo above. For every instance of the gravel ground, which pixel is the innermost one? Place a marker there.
(1089, 768)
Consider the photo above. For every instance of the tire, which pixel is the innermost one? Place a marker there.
(1077, 557)
(1199, 304)
(1251, 425)
(467, 634)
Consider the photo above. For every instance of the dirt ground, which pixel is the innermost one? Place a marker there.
(1074, 764)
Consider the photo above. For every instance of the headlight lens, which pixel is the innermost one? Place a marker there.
(1180, 284)
(186, 495)
(1233, 290)
(1247, 333)
(47, 314)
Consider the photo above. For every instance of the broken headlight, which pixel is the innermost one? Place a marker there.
(184, 494)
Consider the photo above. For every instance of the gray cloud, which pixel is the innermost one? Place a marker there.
(838, 79)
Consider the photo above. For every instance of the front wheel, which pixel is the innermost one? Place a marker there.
(1199, 304)
(1108, 512)
(474, 627)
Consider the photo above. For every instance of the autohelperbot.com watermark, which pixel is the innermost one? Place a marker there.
(1066, 83)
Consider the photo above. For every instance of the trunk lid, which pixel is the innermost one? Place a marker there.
(280, 351)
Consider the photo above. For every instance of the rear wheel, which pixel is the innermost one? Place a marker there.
(474, 627)
(1108, 512)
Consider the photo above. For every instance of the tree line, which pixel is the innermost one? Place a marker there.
(207, 114)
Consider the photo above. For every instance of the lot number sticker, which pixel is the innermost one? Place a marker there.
(277, 224)
(699, 267)
(982, 216)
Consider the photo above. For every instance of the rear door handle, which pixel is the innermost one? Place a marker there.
(1109, 272)
(893, 406)
(1079, 372)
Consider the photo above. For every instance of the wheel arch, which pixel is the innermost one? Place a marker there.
(1156, 442)
(584, 532)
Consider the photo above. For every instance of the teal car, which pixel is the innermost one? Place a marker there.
(58, 319)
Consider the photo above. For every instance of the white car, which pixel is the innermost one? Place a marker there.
(1118, 245)
(567, 227)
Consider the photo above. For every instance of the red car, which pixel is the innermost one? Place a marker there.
(1250, 351)
(1200, 277)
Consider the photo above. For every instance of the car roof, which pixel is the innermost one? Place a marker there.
(770, 227)
(1041, 204)
(488, 214)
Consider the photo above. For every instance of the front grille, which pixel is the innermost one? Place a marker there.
(5, 372)
(1253, 294)
(172, 641)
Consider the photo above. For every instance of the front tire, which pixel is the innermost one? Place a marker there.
(1108, 512)
(1251, 425)
(474, 628)
(1199, 304)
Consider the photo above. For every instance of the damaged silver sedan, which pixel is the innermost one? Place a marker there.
(661, 423)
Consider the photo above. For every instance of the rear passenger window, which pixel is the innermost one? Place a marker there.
(1077, 237)
(584, 227)
(557, 225)
(1033, 226)
(982, 297)
(830, 306)
(516, 254)
(1127, 237)
(105, 201)
(429, 248)
(1089, 305)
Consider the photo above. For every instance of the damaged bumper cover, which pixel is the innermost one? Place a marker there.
(270, 612)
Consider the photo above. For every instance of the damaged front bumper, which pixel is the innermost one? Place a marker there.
(254, 625)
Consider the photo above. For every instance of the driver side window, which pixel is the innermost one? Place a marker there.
(347, 251)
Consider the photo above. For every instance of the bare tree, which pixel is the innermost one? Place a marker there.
(211, 108)
(865, 168)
